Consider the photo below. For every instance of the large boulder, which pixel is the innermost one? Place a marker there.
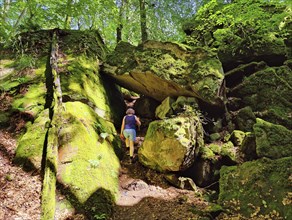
(171, 144)
(258, 188)
(73, 121)
(268, 93)
(242, 31)
(160, 70)
(272, 141)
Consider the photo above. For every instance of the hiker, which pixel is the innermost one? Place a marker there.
(128, 130)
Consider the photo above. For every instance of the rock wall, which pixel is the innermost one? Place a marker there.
(70, 135)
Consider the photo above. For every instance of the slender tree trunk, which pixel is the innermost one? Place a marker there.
(6, 5)
(120, 25)
(5, 9)
(68, 17)
(144, 34)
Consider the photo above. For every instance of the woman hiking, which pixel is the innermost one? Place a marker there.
(128, 130)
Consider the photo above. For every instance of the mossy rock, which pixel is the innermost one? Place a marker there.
(174, 106)
(268, 93)
(171, 144)
(164, 69)
(272, 141)
(215, 151)
(164, 110)
(27, 86)
(254, 24)
(237, 137)
(87, 42)
(245, 119)
(30, 146)
(81, 81)
(88, 165)
(248, 146)
(257, 188)
(39, 42)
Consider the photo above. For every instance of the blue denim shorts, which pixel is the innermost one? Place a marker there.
(130, 134)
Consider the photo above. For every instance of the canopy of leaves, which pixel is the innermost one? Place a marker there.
(164, 18)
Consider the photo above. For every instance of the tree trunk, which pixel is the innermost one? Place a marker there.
(68, 17)
(144, 34)
(120, 25)
(5, 9)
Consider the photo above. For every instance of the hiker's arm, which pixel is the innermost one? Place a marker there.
(138, 122)
(123, 126)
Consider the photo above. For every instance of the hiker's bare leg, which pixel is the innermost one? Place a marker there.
(127, 142)
(131, 148)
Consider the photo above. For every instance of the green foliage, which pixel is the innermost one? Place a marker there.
(24, 61)
(238, 27)
(164, 18)
(94, 163)
(100, 217)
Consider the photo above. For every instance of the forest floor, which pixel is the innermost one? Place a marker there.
(144, 194)
(19, 190)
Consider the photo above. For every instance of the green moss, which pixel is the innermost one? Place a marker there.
(88, 42)
(228, 149)
(208, 153)
(168, 143)
(30, 146)
(215, 148)
(268, 93)
(237, 137)
(81, 81)
(245, 119)
(214, 151)
(248, 147)
(4, 118)
(257, 188)
(34, 97)
(227, 27)
(273, 141)
(164, 109)
(88, 164)
(12, 77)
(215, 136)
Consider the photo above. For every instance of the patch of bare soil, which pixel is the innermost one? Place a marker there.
(19, 190)
(146, 195)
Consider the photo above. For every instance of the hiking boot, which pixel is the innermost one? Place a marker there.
(133, 159)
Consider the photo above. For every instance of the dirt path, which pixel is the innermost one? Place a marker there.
(144, 193)
(19, 190)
